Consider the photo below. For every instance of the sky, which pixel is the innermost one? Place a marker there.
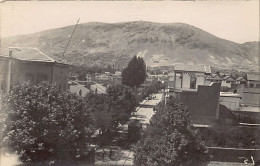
(237, 21)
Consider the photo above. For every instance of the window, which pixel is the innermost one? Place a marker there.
(193, 82)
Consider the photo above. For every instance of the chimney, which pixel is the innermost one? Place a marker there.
(10, 53)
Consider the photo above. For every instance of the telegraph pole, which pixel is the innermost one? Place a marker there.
(70, 37)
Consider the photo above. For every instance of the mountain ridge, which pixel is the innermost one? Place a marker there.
(100, 44)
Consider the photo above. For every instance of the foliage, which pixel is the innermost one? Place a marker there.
(110, 110)
(97, 104)
(233, 136)
(153, 87)
(135, 73)
(43, 123)
(121, 103)
(224, 89)
(170, 139)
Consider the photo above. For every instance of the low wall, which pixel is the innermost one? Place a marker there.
(234, 155)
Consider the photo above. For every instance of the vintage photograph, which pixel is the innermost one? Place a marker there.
(134, 83)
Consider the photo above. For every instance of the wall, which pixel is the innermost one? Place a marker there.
(30, 71)
(200, 80)
(224, 83)
(203, 104)
(255, 84)
(186, 81)
(36, 72)
(4, 75)
(250, 96)
(186, 77)
(232, 103)
(60, 75)
(178, 82)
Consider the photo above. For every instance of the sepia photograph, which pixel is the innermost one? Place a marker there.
(129, 83)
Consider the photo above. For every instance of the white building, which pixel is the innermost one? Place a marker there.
(189, 77)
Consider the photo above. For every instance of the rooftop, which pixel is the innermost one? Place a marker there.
(229, 94)
(253, 77)
(228, 78)
(29, 54)
(250, 109)
(215, 77)
(240, 79)
(192, 68)
(100, 87)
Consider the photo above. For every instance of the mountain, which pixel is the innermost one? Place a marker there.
(158, 43)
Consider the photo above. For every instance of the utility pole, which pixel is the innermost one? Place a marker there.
(70, 38)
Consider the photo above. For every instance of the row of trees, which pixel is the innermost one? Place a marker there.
(42, 123)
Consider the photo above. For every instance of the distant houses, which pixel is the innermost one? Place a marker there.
(240, 80)
(227, 81)
(95, 83)
(30, 64)
(75, 87)
(200, 91)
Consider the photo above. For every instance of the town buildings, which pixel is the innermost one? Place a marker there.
(30, 64)
(191, 87)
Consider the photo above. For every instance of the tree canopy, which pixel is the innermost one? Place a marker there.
(121, 102)
(43, 123)
(170, 139)
(135, 73)
(110, 110)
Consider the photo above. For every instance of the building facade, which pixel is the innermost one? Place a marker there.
(30, 64)
(189, 77)
(253, 80)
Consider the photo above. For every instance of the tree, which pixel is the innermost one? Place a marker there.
(170, 139)
(110, 110)
(43, 123)
(121, 103)
(135, 73)
(97, 104)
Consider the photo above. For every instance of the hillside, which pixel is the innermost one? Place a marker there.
(159, 44)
